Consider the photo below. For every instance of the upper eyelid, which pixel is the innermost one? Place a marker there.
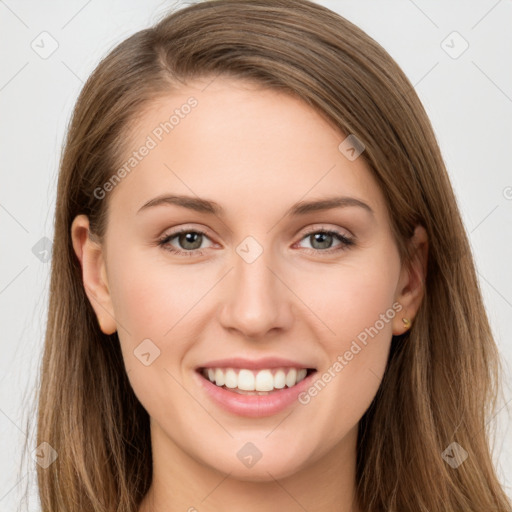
(184, 229)
(308, 231)
(323, 227)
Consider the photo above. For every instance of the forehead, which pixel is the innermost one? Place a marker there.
(248, 148)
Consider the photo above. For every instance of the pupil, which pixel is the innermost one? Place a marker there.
(323, 238)
(186, 238)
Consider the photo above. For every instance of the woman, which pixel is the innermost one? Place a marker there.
(198, 355)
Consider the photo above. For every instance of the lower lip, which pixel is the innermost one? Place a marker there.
(254, 406)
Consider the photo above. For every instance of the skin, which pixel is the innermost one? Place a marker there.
(255, 152)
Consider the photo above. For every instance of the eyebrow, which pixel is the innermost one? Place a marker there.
(211, 207)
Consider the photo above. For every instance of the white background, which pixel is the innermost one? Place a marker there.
(468, 99)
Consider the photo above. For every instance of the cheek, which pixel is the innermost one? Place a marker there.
(359, 305)
(160, 310)
(358, 295)
(152, 298)
(154, 309)
(358, 308)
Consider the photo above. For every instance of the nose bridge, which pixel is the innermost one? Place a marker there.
(257, 301)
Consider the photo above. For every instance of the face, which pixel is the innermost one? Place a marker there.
(248, 280)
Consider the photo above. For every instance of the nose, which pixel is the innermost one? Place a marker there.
(257, 300)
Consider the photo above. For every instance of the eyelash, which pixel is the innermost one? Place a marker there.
(346, 242)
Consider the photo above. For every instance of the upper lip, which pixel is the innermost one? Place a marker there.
(255, 364)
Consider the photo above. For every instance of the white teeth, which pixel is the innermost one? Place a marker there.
(280, 379)
(264, 381)
(231, 380)
(291, 377)
(246, 381)
(301, 374)
(219, 377)
(256, 381)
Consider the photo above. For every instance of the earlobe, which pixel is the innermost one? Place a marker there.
(94, 274)
(411, 286)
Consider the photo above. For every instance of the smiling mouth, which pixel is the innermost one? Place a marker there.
(255, 382)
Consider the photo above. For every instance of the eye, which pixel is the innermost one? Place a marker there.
(321, 241)
(189, 239)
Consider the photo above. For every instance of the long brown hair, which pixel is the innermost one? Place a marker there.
(443, 376)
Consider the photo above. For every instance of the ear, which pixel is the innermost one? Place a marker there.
(94, 274)
(411, 284)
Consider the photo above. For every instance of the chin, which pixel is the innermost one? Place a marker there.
(278, 465)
